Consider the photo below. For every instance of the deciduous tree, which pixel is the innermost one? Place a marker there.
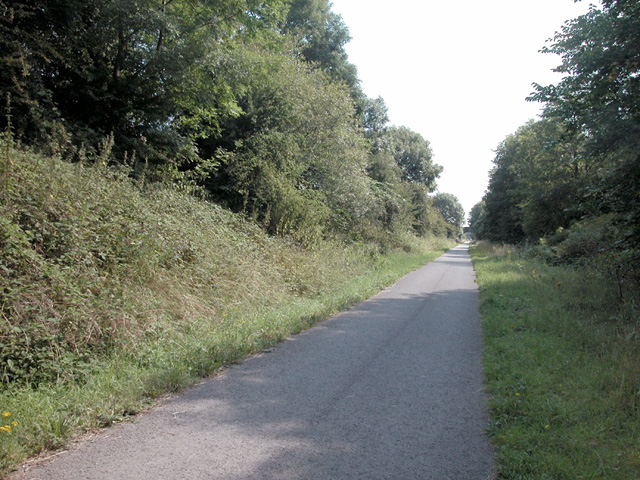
(450, 208)
(599, 99)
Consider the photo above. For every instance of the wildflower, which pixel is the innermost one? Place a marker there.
(547, 426)
(533, 272)
(14, 423)
(5, 429)
(517, 394)
(6, 414)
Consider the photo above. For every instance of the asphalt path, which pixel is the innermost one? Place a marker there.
(391, 389)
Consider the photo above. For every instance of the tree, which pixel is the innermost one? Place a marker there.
(295, 158)
(403, 174)
(450, 208)
(141, 70)
(554, 176)
(599, 93)
(538, 184)
(252, 101)
(425, 218)
(598, 98)
(322, 36)
(375, 117)
(503, 219)
(476, 219)
(413, 155)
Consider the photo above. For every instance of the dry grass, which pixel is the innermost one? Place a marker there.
(115, 292)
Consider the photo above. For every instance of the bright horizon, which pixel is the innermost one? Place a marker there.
(458, 76)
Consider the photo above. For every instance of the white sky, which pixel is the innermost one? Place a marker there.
(457, 72)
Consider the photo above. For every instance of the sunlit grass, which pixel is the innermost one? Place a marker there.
(562, 367)
(137, 291)
(128, 382)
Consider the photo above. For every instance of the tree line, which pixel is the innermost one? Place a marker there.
(568, 184)
(251, 103)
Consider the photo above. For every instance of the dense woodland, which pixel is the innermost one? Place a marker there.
(568, 184)
(252, 104)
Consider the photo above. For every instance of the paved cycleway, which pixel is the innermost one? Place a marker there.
(391, 389)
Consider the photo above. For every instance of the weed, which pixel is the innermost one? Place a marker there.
(9, 424)
(115, 291)
(561, 364)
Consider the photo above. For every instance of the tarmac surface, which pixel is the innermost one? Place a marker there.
(391, 389)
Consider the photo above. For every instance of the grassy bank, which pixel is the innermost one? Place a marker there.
(562, 365)
(115, 292)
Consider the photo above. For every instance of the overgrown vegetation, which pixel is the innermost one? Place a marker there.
(115, 290)
(253, 104)
(183, 183)
(562, 366)
(569, 183)
(560, 305)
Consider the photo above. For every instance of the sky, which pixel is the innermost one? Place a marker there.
(457, 72)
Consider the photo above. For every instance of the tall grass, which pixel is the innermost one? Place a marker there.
(115, 292)
(562, 365)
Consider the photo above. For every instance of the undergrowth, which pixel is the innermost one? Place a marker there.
(114, 292)
(562, 366)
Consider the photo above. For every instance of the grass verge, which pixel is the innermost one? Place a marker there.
(562, 367)
(114, 293)
(48, 416)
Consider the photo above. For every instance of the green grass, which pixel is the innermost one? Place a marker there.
(562, 367)
(115, 292)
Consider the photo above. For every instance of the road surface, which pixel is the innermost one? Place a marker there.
(391, 389)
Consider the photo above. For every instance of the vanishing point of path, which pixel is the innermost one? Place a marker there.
(391, 389)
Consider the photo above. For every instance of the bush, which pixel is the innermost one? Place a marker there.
(586, 239)
(94, 262)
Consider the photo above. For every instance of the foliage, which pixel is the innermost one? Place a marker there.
(375, 119)
(87, 251)
(538, 184)
(140, 70)
(412, 153)
(580, 165)
(450, 208)
(116, 290)
(253, 103)
(546, 190)
(403, 173)
(321, 36)
(599, 93)
(502, 214)
(476, 219)
(295, 158)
